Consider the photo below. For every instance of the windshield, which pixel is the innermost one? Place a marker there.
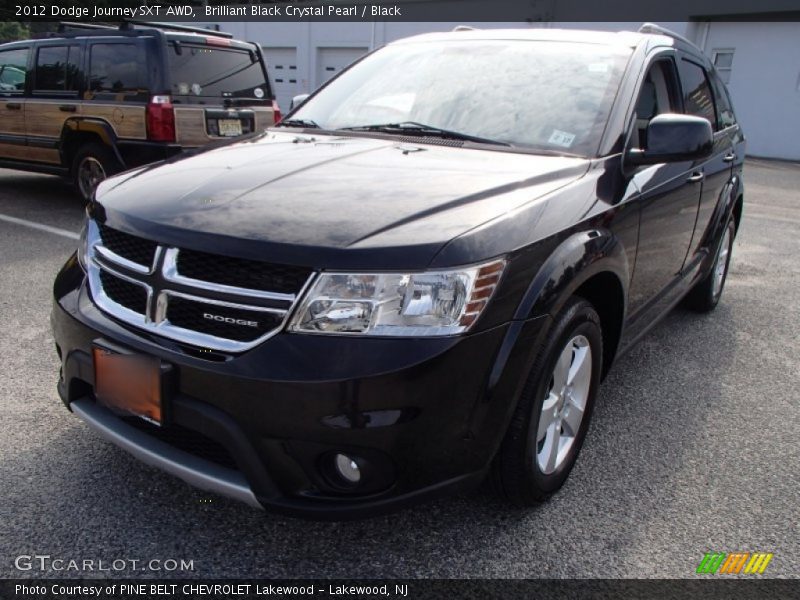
(552, 96)
(204, 72)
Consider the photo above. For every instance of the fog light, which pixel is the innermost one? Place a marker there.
(347, 468)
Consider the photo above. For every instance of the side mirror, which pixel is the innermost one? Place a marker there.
(298, 100)
(674, 138)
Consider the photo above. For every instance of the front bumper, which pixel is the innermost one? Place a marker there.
(425, 416)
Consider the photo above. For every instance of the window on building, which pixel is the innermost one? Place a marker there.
(697, 97)
(723, 63)
(57, 69)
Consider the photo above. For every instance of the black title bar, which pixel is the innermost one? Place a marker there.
(708, 588)
(534, 11)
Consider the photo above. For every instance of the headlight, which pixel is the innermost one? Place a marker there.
(89, 236)
(83, 245)
(398, 304)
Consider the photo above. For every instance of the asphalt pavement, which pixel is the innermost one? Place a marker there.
(693, 446)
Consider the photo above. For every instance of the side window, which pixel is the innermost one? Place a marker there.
(658, 95)
(697, 97)
(117, 68)
(725, 116)
(57, 69)
(13, 70)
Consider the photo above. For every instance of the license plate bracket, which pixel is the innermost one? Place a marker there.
(132, 384)
(229, 127)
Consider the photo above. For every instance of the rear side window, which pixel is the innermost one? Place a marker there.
(117, 68)
(697, 97)
(725, 116)
(57, 69)
(13, 70)
(200, 73)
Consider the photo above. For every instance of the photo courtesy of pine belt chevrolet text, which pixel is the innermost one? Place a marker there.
(414, 282)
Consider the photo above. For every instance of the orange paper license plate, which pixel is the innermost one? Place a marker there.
(128, 383)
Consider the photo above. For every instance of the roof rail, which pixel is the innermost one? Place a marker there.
(64, 25)
(173, 27)
(657, 29)
(129, 25)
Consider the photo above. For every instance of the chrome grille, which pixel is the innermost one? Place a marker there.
(190, 314)
(125, 293)
(241, 273)
(130, 247)
(230, 305)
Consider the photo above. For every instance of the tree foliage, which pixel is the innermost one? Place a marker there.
(11, 31)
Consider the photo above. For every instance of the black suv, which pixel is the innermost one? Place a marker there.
(408, 285)
(94, 100)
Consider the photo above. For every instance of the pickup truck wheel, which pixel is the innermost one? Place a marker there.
(91, 165)
(552, 417)
(707, 292)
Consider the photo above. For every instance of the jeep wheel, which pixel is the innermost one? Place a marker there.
(91, 165)
(552, 417)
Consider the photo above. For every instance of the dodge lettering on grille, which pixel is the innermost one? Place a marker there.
(230, 320)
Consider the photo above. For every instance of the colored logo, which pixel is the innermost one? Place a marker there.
(734, 563)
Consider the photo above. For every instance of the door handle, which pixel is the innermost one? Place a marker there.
(13, 105)
(729, 157)
(695, 177)
(67, 108)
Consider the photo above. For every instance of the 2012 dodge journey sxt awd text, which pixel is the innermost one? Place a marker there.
(416, 280)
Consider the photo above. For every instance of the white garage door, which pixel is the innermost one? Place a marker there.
(332, 60)
(764, 81)
(283, 72)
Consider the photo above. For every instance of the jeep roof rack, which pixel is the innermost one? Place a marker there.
(64, 25)
(129, 25)
(173, 27)
(657, 29)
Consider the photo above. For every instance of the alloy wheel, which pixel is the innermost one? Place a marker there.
(721, 263)
(564, 406)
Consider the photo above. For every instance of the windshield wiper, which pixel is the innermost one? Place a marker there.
(414, 128)
(305, 123)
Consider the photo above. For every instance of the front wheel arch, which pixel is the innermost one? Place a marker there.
(605, 292)
(592, 265)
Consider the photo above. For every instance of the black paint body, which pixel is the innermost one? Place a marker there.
(430, 413)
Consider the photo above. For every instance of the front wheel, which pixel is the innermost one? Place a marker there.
(91, 165)
(552, 417)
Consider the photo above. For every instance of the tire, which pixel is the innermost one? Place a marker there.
(525, 471)
(91, 165)
(706, 293)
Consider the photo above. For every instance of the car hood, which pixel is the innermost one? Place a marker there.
(329, 201)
